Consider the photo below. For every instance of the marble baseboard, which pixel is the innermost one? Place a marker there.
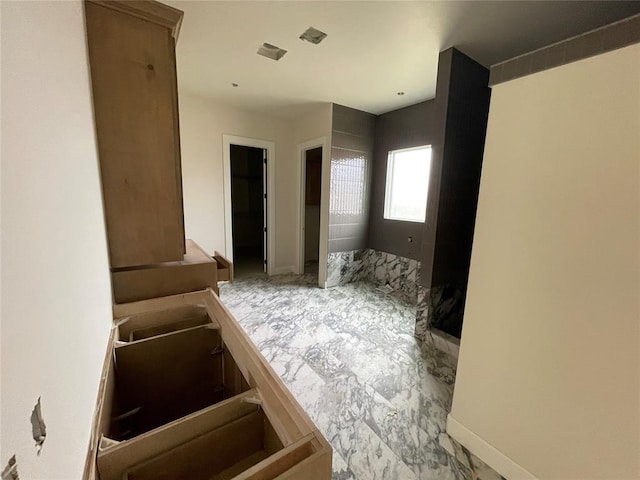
(346, 267)
(441, 341)
(446, 307)
(422, 314)
(438, 308)
(399, 273)
(381, 268)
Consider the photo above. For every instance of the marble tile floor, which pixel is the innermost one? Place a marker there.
(349, 356)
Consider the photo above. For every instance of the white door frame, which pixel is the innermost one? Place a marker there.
(322, 260)
(270, 147)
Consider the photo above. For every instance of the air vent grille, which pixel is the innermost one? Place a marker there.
(313, 35)
(271, 51)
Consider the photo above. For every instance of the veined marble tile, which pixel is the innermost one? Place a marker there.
(349, 356)
(325, 364)
(422, 314)
(346, 267)
(341, 470)
(381, 268)
(481, 470)
(376, 461)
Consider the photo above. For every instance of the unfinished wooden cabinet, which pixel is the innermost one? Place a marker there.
(225, 267)
(186, 395)
(133, 71)
(196, 271)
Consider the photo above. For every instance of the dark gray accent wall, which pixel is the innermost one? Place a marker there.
(349, 191)
(461, 109)
(610, 37)
(404, 128)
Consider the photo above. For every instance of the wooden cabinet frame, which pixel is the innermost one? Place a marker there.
(181, 380)
(131, 46)
(302, 453)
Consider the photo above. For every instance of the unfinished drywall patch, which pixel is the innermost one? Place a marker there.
(38, 428)
(10, 472)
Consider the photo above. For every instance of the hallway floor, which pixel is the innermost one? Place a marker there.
(244, 267)
(349, 356)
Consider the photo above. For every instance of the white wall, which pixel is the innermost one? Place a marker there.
(56, 299)
(549, 371)
(316, 124)
(202, 124)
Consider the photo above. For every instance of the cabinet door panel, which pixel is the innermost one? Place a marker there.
(135, 101)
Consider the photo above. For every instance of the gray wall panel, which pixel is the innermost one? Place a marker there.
(604, 39)
(351, 158)
(403, 128)
(461, 109)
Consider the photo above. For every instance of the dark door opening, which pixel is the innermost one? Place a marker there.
(248, 210)
(312, 182)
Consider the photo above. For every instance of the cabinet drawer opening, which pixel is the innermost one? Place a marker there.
(219, 454)
(151, 324)
(175, 403)
(225, 267)
(159, 379)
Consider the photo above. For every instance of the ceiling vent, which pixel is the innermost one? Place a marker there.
(313, 35)
(271, 51)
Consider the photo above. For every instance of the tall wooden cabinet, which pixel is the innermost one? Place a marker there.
(184, 394)
(133, 72)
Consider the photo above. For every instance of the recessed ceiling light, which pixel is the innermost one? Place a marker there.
(271, 51)
(313, 35)
(400, 93)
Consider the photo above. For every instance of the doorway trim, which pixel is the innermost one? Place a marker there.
(270, 147)
(324, 229)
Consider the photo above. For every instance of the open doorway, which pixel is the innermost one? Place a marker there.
(312, 186)
(248, 209)
(267, 186)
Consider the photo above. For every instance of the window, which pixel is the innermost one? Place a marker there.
(407, 184)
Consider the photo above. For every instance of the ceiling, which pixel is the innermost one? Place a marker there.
(374, 49)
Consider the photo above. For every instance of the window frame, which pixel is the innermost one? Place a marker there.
(389, 182)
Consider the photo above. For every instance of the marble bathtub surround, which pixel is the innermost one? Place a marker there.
(349, 356)
(381, 268)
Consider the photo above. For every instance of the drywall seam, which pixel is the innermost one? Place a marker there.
(487, 452)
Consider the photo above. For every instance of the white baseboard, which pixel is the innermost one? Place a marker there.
(283, 270)
(486, 452)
